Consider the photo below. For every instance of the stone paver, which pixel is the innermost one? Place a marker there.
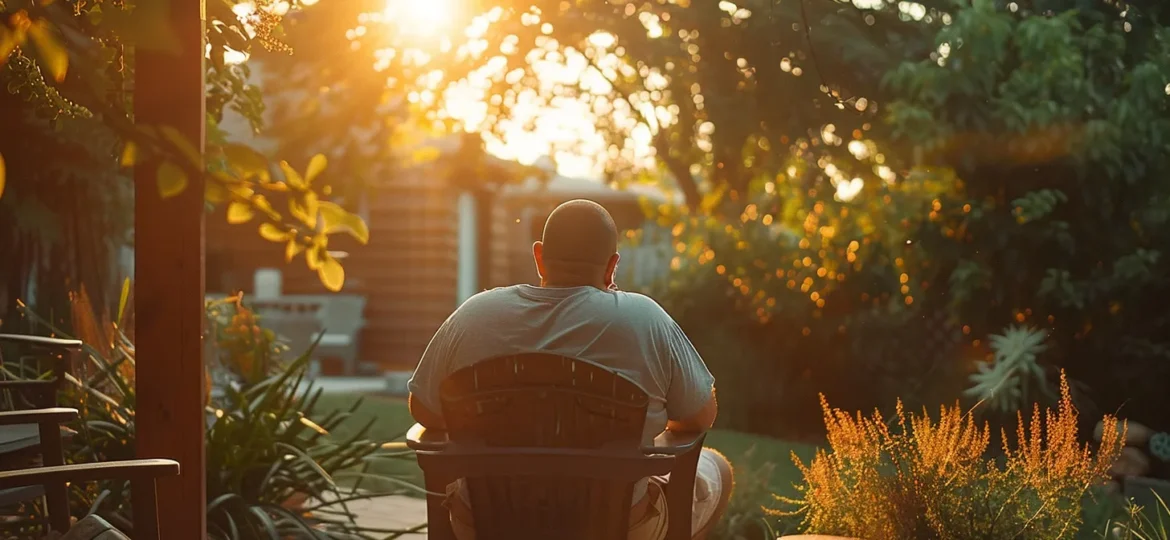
(391, 512)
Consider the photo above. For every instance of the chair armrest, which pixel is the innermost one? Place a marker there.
(421, 438)
(676, 443)
(133, 469)
(41, 341)
(55, 415)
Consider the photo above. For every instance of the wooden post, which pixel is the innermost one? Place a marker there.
(168, 273)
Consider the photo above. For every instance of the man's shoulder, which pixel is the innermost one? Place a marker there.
(491, 297)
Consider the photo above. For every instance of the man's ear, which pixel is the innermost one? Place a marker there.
(611, 269)
(538, 256)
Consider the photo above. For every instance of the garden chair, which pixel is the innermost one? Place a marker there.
(38, 432)
(550, 447)
(26, 435)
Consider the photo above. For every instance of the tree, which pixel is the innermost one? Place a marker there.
(70, 63)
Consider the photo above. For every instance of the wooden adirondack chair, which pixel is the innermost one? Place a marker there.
(38, 432)
(34, 430)
(550, 447)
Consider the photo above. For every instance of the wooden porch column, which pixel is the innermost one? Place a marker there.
(168, 272)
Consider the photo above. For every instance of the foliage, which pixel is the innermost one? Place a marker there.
(930, 478)
(267, 447)
(90, 41)
(1137, 523)
(1004, 383)
(746, 518)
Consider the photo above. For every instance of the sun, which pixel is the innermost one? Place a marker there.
(422, 18)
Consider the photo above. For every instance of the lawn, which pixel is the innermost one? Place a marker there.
(390, 420)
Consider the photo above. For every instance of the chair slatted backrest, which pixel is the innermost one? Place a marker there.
(538, 400)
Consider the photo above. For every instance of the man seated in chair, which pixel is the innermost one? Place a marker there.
(577, 311)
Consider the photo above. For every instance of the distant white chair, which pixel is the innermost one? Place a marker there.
(342, 320)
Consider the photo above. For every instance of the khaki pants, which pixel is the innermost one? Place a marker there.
(648, 517)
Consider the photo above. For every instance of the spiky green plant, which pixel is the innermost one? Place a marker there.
(1004, 384)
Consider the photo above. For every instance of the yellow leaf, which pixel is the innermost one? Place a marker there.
(331, 273)
(129, 154)
(171, 180)
(214, 192)
(1, 175)
(184, 145)
(315, 256)
(291, 176)
(239, 212)
(336, 219)
(272, 233)
(426, 154)
(305, 208)
(8, 43)
(246, 161)
(122, 300)
(54, 57)
(313, 426)
(292, 249)
(316, 165)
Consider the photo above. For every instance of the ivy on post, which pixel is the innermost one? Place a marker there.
(168, 267)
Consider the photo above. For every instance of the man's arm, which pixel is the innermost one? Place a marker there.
(433, 367)
(696, 423)
(690, 400)
(428, 418)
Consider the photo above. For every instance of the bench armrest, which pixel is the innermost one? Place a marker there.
(40, 341)
(55, 415)
(421, 438)
(133, 469)
(675, 443)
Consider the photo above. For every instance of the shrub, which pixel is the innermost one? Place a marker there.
(927, 478)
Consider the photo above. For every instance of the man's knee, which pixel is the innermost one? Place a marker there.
(726, 471)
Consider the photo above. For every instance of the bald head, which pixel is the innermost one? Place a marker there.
(579, 245)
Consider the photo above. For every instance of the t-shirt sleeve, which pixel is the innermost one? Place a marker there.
(691, 383)
(435, 365)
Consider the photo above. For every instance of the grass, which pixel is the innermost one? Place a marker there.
(391, 420)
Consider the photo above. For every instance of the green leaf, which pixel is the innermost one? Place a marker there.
(172, 180)
(147, 26)
(239, 212)
(316, 165)
(54, 57)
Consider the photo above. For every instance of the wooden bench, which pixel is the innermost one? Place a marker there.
(549, 447)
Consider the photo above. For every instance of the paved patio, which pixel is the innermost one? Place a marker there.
(393, 512)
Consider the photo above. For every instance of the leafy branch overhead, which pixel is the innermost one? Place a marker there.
(40, 38)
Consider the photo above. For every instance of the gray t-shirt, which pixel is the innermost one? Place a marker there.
(626, 332)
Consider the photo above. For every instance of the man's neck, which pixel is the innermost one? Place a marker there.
(557, 285)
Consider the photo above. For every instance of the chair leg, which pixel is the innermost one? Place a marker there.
(56, 494)
(144, 504)
(438, 516)
(680, 494)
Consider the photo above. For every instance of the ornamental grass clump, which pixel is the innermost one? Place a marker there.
(924, 478)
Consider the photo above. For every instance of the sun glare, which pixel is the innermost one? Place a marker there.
(421, 18)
